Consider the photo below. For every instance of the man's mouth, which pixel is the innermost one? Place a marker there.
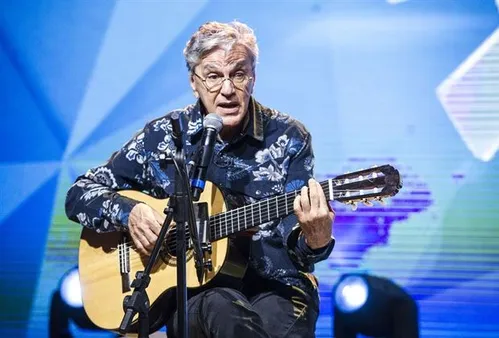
(228, 105)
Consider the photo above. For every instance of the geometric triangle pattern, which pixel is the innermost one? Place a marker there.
(22, 244)
(101, 147)
(59, 255)
(469, 97)
(19, 181)
(53, 45)
(23, 106)
(136, 37)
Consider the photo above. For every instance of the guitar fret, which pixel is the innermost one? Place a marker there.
(245, 222)
(226, 224)
(252, 216)
(286, 202)
(277, 206)
(232, 219)
(221, 227)
(260, 212)
(331, 190)
(268, 208)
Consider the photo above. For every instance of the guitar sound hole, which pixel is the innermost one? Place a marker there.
(170, 245)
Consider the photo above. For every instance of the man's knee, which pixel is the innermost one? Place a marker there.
(227, 312)
(224, 299)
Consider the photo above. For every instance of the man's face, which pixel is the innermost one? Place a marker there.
(230, 99)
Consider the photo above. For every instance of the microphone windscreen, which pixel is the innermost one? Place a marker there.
(213, 121)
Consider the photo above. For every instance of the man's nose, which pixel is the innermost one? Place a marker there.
(227, 87)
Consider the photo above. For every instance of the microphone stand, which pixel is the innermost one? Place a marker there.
(180, 209)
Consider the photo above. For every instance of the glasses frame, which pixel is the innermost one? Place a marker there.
(211, 90)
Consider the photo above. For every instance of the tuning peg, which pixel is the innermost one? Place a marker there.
(381, 200)
(354, 206)
(367, 202)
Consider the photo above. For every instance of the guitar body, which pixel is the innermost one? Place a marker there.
(108, 264)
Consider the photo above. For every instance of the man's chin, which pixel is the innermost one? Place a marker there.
(232, 121)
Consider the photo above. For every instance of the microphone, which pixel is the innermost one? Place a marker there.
(212, 125)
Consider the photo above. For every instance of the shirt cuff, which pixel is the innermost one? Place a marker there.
(299, 249)
(319, 253)
(120, 211)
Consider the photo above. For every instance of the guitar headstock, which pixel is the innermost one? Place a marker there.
(367, 185)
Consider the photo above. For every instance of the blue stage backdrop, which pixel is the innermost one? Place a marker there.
(413, 83)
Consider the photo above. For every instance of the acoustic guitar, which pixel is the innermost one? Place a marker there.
(108, 262)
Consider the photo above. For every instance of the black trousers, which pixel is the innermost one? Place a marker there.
(271, 313)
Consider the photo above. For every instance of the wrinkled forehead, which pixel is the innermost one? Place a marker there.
(219, 58)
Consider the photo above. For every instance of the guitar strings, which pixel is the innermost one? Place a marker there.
(171, 241)
(242, 214)
(226, 221)
(271, 206)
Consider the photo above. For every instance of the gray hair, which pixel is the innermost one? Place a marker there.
(212, 35)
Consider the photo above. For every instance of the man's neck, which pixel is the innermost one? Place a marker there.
(231, 134)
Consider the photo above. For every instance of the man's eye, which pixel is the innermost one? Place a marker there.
(213, 76)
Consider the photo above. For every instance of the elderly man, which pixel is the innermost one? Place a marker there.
(260, 153)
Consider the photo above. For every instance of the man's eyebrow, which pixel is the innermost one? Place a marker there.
(240, 64)
(212, 66)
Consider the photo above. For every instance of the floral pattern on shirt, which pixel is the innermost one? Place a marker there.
(272, 157)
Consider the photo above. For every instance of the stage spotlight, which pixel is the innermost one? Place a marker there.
(66, 306)
(351, 293)
(71, 289)
(373, 306)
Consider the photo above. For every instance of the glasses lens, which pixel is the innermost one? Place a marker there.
(239, 79)
(214, 83)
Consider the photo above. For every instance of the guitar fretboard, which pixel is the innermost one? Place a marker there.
(340, 188)
(243, 218)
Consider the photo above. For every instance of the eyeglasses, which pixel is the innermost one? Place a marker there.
(213, 82)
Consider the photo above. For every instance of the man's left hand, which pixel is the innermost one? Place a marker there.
(315, 216)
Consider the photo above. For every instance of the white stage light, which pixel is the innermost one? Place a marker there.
(351, 294)
(71, 289)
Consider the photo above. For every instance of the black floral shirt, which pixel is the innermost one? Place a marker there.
(272, 156)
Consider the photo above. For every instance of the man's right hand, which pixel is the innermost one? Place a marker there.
(144, 225)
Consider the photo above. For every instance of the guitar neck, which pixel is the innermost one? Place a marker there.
(249, 216)
(267, 210)
(348, 188)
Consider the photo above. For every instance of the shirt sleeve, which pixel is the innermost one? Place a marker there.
(300, 170)
(93, 200)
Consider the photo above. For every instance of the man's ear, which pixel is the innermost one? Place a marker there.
(193, 84)
(253, 84)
